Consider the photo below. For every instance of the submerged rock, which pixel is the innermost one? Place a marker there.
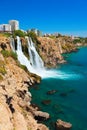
(46, 102)
(51, 92)
(61, 125)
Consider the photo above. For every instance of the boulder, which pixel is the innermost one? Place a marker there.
(42, 127)
(61, 125)
(39, 115)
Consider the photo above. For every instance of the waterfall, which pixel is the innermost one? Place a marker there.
(12, 44)
(21, 57)
(35, 59)
(35, 63)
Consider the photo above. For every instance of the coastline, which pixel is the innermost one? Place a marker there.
(18, 97)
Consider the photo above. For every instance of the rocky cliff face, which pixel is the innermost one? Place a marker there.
(49, 51)
(66, 44)
(16, 111)
(4, 43)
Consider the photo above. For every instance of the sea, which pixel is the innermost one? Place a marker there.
(69, 102)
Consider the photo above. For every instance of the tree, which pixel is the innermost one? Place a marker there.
(19, 33)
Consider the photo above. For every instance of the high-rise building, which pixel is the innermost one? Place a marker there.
(5, 27)
(14, 25)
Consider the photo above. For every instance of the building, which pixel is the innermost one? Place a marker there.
(5, 28)
(36, 31)
(39, 33)
(14, 25)
(1, 27)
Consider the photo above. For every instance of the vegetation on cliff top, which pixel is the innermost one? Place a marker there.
(19, 33)
(6, 34)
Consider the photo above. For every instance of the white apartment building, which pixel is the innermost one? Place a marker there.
(5, 27)
(14, 25)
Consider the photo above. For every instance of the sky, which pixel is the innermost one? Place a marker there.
(49, 16)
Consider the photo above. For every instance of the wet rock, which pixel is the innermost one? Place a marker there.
(51, 92)
(41, 116)
(46, 102)
(36, 107)
(61, 125)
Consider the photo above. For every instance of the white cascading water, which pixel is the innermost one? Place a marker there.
(35, 59)
(12, 44)
(21, 57)
(35, 64)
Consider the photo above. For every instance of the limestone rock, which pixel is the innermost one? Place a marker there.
(61, 125)
(49, 51)
(42, 127)
(19, 121)
(15, 98)
(5, 118)
(39, 115)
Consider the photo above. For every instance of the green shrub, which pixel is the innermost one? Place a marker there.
(13, 55)
(19, 33)
(6, 54)
(2, 70)
(23, 67)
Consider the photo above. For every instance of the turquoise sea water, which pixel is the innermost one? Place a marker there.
(69, 103)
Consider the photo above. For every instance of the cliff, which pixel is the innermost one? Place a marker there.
(16, 111)
(50, 49)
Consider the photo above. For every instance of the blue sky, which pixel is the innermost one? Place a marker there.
(64, 16)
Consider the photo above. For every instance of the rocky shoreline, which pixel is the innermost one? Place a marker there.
(16, 110)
